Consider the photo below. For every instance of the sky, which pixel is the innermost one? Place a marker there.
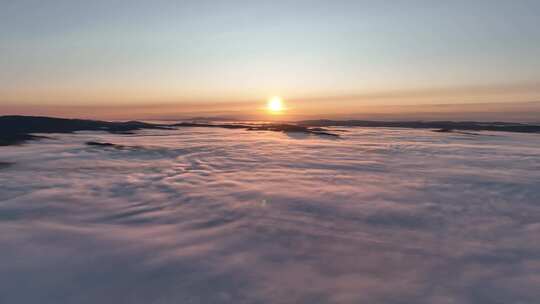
(168, 59)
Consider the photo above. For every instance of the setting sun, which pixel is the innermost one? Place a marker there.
(275, 105)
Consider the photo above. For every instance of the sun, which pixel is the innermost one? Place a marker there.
(275, 105)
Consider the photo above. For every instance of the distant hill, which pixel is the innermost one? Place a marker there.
(37, 124)
(444, 125)
(17, 129)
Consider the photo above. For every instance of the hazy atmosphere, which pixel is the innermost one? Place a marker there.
(282, 152)
(136, 60)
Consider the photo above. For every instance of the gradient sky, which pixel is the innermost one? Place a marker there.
(161, 57)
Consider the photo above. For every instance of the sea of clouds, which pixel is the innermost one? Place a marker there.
(232, 216)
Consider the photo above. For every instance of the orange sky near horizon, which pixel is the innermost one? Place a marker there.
(135, 60)
(494, 99)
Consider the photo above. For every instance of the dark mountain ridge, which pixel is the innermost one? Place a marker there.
(18, 129)
(442, 125)
(38, 124)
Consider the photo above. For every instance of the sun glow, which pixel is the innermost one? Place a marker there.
(275, 105)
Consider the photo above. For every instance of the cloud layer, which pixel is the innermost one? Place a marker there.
(233, 216)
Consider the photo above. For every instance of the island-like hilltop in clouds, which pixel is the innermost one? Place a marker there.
(18, 129)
